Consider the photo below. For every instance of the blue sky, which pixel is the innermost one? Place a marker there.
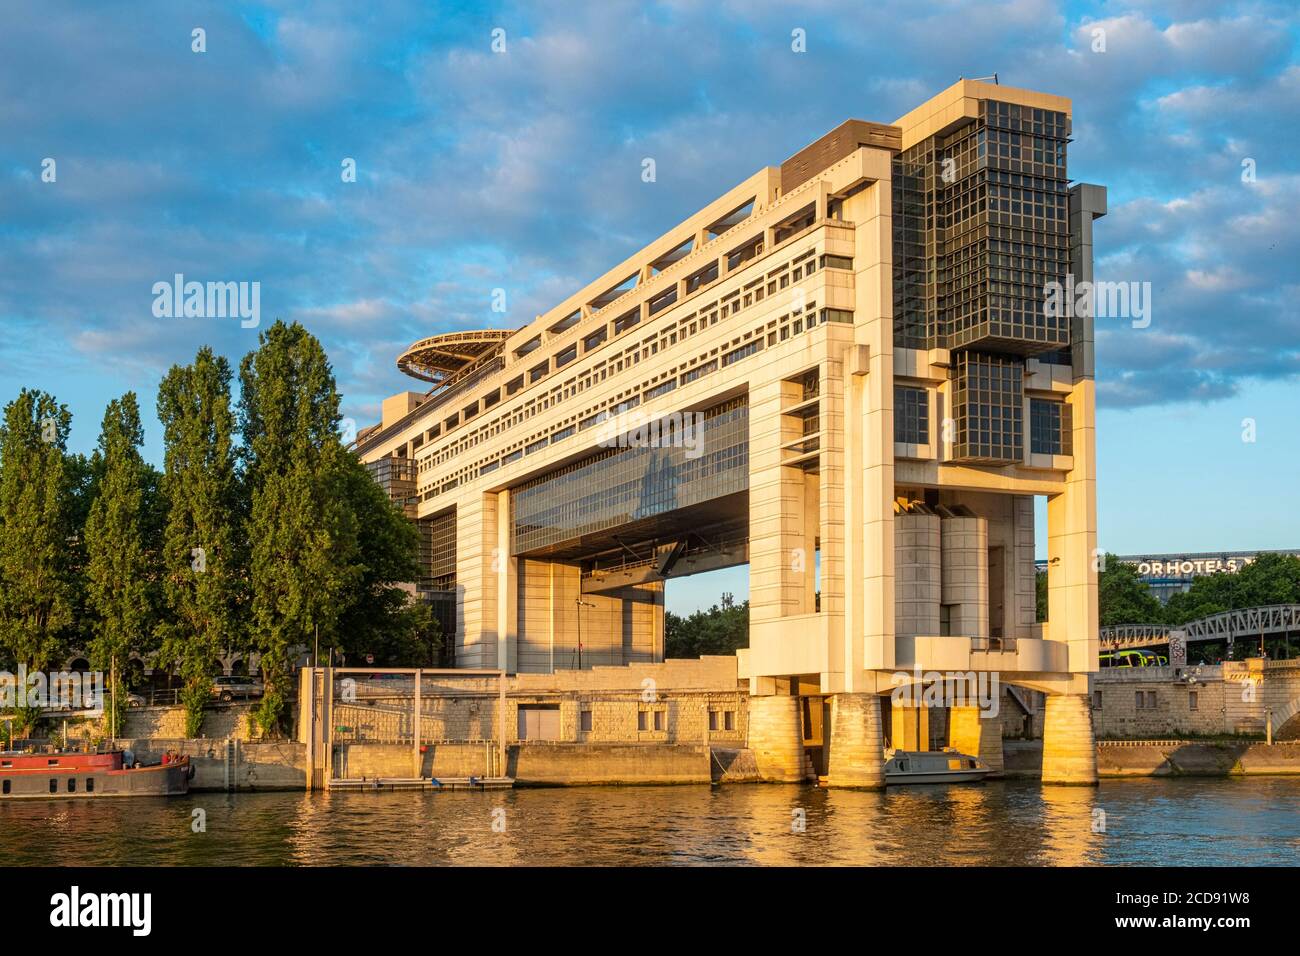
(520, 170)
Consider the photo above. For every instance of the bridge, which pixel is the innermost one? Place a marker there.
(1227, 626)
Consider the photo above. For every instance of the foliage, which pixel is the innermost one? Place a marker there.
(719, 630)
(120, 576)
(304, 551)
(381, 618)
(1124, 598)
(202, 558)
(37, 594)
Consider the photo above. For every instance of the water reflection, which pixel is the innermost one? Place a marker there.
(1198, 822)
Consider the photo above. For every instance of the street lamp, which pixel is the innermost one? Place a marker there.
(581, 604)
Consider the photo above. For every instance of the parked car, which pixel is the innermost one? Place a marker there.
(228, 688)
(134, 700)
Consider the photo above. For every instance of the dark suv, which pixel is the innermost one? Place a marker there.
(228, 688)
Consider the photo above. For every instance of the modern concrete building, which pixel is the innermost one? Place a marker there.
(841, 372)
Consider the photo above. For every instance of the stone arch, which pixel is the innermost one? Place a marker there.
(1286, 722)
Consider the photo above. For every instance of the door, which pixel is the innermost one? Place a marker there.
(539, 723)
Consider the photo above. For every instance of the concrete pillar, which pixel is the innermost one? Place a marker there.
(1069, 749)
(857, 742)
(916, 575)
(971, 733)
(910, 724)
(776, 738)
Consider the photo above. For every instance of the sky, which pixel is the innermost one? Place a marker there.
(501, 147)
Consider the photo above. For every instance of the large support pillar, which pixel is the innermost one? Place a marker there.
(1069, 748)
(857, 742)
(910, 725)
(776, 738)
(970, 732)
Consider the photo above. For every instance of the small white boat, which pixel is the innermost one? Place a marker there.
(934, 766)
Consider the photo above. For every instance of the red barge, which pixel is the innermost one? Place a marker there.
(27, 776)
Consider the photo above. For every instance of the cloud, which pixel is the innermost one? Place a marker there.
(521, 170)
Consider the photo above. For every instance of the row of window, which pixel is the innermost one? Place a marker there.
(1147, 700)
(780, 277)
(7, 786)
(1049, 422)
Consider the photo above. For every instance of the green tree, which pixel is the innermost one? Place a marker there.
(719, 630)
(1123, 597)
(202, 557)
(302, 534)
(120, 576)
(380, 617)
(36, 591)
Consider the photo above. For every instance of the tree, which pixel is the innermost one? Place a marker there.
(1123, 597)
(303, 536)
(120, 578)
(36, 592)
(719, 630)
(202, 558)
(380, 617)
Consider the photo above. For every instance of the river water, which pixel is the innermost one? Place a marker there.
(1229, 822)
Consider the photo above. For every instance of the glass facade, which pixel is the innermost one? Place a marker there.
(438, 552)
(624, 484)
(397, 477)
(1050, 428)
(981, 226)
(911, 415)
(988, 396)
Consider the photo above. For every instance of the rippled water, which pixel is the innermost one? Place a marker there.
(1197, 822)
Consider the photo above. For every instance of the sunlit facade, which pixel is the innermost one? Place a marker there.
(839, 372)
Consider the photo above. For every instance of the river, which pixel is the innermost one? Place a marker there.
(1230, 822)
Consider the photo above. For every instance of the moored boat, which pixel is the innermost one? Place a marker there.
(28, 776)
(934, 766)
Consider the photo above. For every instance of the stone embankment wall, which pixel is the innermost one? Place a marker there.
(1232, 698)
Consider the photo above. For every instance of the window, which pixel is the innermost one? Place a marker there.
(1193, 700)
(713, 723)
(1096, 700)
(72, 785)
(585, 722)
(743, 352)
(1049, 427)
(728, 720)
(642, 720)
(911, 415)
(625, 322)
(54, 785)
(837, 262)
(595, 338)
(90, 785)
(1146, 700)
(566, 356)
(659, 720)
(538, 372)
(8, 785)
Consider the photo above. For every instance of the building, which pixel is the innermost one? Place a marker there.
(841, 372)
(1170, 574)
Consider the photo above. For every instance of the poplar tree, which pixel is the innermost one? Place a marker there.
(36, 594)
(201, 553)
(301, 532)
(120, 578)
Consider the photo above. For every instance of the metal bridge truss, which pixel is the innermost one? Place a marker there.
(1226, 626)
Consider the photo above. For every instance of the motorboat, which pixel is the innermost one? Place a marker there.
(933, 766)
